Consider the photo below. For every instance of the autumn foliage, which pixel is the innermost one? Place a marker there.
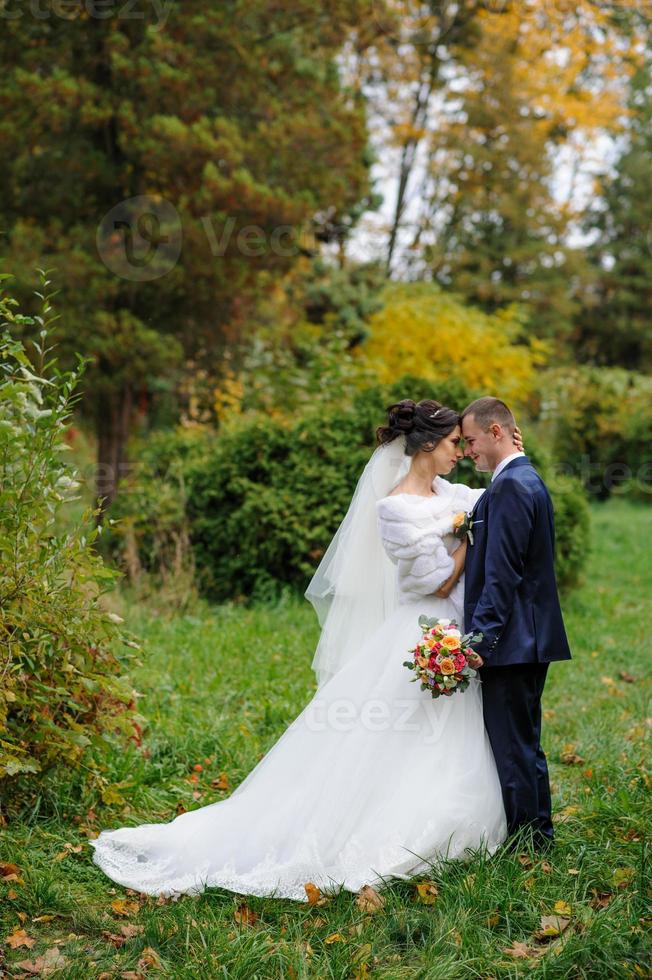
(429, 333)
(61, 654)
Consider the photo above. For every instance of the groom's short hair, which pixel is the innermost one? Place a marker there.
(487, 410)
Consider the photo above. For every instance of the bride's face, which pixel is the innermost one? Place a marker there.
(447, 452)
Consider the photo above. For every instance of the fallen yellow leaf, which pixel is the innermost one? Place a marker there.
(50, 962)
(244, 916)
(628, 678)
(8, 870)
(551, 926)
(427, 892)
(369, 900)
(19, 938)
(122, 906)
(315, 923)
(149, 957)
(518, 951)
(313, 893)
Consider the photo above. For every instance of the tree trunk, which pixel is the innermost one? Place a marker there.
(408, 158)
(113, 424)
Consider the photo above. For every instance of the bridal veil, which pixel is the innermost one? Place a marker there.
(354, 587)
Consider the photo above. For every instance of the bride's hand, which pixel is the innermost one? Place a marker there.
(459, 557)
(518, 440)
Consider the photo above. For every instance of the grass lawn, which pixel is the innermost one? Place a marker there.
(209, 721)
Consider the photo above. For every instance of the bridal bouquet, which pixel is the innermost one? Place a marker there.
(440, 658)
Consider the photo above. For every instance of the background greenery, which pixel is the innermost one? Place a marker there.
(229, 402)
(62, 657)
(279, 488)
(481, 264)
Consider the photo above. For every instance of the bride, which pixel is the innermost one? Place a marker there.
(374, 780)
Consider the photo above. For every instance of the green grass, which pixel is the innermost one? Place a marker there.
(203, 709)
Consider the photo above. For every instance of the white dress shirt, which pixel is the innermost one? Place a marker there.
(503, 463)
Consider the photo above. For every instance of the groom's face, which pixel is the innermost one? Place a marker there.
(478, 445)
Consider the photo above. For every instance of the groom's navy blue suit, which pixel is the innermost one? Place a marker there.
(511, 598)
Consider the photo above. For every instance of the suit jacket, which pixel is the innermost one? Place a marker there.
(510, 592)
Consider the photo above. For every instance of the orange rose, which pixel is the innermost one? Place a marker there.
(451, 643)
(447, 666)
(458, 519)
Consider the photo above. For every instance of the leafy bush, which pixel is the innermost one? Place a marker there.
(600, 423)
(62, 692)
(572, 529)
(264, 497)
(422, 327)
(148, 534)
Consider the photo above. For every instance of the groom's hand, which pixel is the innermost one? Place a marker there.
(475, 661)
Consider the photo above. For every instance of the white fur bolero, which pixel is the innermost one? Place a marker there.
(416, 533)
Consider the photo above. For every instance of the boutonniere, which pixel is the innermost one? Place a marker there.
(463, 524)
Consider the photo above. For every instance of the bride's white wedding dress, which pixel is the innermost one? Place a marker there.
(374, 780)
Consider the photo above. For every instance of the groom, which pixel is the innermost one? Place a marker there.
(511, 598)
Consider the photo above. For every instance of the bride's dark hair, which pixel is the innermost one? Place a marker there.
(424, 424)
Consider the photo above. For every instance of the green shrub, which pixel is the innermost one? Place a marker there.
(599, 421)
(572, 529)
(263, 498)
(148, 533)
(260, 500)
(61, 655)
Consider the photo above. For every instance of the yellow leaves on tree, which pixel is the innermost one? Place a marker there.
(428, 333)
(567, 57)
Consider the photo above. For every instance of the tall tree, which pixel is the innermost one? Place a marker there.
(615, 324)
(473, 102)
(537, 84)
(402, 74)
(170, 163)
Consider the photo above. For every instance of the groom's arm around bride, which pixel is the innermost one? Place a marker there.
(511, 598)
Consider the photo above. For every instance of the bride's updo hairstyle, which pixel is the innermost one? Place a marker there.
(424, 424)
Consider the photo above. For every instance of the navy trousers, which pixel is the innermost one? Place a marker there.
(512, 715)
